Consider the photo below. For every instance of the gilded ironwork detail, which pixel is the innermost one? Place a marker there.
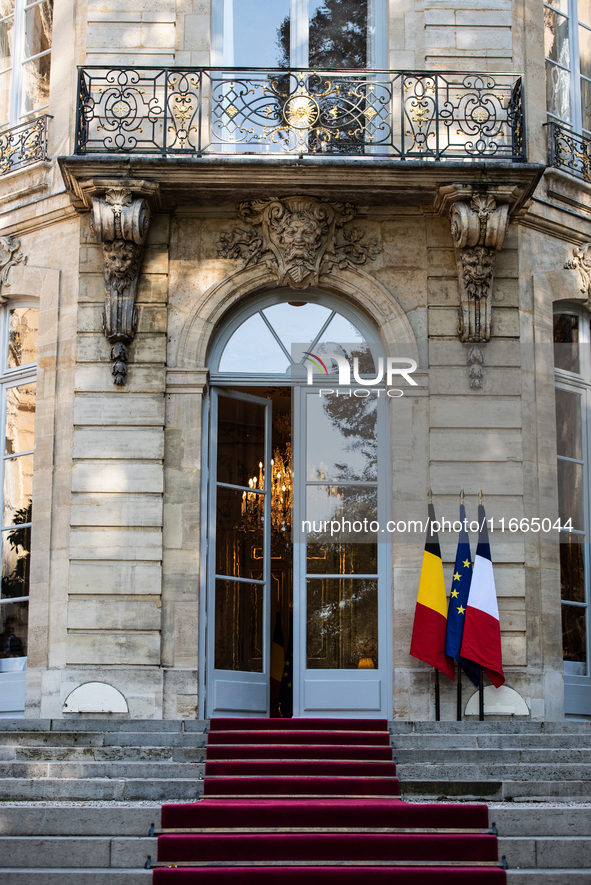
(570, 151)
(22, 145)
(383, 113)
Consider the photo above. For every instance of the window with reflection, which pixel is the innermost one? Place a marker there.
(567, 27)
(19, 326)
(572, 360)
(25, 57)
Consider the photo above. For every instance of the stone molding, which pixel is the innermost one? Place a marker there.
(296, 237)
(120, 218)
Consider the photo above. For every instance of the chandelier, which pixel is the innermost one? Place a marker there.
(253, 502)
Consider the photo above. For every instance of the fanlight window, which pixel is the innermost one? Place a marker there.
(275, 337)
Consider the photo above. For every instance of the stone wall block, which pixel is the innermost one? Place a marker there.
(143, 443)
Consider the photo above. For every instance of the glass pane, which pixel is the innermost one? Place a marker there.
(559, 5)
(585, 51)
(584, 11)
(341, 438)
(333, 558)
(18, 492)
(556, 37)
(338, 34)
(586, 104)
(22, 340)
(570, 493)
(5, 80)
(568, 424)
(252, 348)
(574, 639)
(239, 533)
(38, 22)
(241, 443)
(299, 322)
(566, 342)
(261, 33)
(558, 92)
(352, 510)
(6, 40)
(35, 92)
(342, 624)
(239, 626)
(14, 623)
(572, 567)
(20, 419)
(16, 563)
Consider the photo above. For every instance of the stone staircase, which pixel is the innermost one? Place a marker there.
(78, 797)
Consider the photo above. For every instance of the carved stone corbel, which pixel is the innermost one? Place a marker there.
(478, 230)
(581, 261)
(9, 247)
(120, 221)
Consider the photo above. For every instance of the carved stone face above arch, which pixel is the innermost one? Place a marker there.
(356, 287)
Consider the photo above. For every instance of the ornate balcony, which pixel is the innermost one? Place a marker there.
(197, 112)
(569, 151)
(23, 144)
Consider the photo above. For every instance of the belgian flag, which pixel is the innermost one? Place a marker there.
(430, 623)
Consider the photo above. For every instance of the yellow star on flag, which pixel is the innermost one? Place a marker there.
(467, 563)
(457, 576)
(454, 593)
(461, 610)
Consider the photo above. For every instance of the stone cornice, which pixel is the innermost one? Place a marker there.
(368, 181)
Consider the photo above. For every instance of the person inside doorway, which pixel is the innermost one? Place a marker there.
(11, 646)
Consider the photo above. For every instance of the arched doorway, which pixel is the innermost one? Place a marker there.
(298, 617)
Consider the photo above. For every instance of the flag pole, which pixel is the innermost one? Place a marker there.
(437, 697)
(481, 685)
(437, 689)
(459, 694)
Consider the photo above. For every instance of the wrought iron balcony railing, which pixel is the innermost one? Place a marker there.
(23, 144)
(569, 151)
(210, 111)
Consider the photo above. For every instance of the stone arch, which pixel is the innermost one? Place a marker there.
(377, 302)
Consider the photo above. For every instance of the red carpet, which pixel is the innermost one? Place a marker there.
(313, 801)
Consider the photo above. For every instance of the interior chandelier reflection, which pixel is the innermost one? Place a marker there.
(253, 503)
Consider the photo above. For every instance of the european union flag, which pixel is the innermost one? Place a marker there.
(458, 598)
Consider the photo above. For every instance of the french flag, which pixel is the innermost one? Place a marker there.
(481, 641)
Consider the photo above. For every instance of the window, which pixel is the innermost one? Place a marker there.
(299, 33)
(572, 360)
(19, 325)
(25, 57)
(567, 25)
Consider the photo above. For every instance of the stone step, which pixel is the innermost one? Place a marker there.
(42, 876)
(495, 791)
(541, 820)
(548, 852)
(547, 877)
(118, 789)
(126, 852)
(101, 739)
(102, 754)
(504, 756)
(487, 741)
(500, 771)
(77, 726)
(78, 820)
(81, 851)
(124, 769)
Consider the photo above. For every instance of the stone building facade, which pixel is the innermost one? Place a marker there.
(155, 200)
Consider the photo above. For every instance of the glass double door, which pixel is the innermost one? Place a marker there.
(296, 610)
